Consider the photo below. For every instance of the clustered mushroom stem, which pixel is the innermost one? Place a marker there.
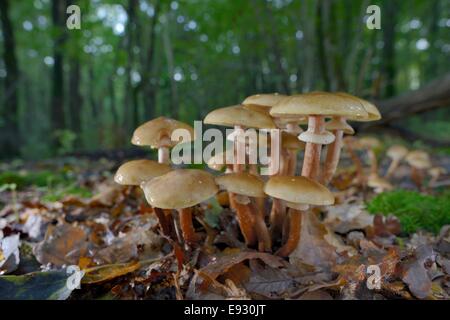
(239, 151)
(277, 217)
(311, 162)
(417, 177)
(187, 227)
(393, 165)
(245, 219)
(373, 161)
(163, 155)
(262, 233)
(294, 233)
(165, 227)
(332, 159)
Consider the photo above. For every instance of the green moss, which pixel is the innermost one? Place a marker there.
(415, 210)
(38, 178)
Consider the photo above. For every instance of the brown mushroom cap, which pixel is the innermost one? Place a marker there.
(220, 160)
(300, 190)
(291, 141)
(397, 152)
(255, 107)
(242, 183)
(335, 124)
(377, 182)
(435, 172)
(418, 159)
(373, 113)
(181, 188)
(318, 103)
(239, 116)
(156, 133)
(135, 172)
(264, 99)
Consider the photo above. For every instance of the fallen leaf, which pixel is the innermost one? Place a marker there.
(9, 253)
(108, 272)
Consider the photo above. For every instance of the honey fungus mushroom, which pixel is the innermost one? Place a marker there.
(157, 134)
(396, 153)
(316, 106)
(246, 188)
(419, 161)
(339, 126)
(181, 189)
(378, 183)
(137, 172)
(298, 193)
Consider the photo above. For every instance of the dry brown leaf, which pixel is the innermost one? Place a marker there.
(108, 272)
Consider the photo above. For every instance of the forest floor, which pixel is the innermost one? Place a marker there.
(69, 212)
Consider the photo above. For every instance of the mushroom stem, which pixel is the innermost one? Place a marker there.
(277, 217)
(239, 151)
(311, 162)
(245, 219)
(417, 177)
(165, 226)
(163, 155)
(356, 161)
(262, 232)
(373, 161)
(187, 227)
(332, 159)
(294, 233)
(392, 166)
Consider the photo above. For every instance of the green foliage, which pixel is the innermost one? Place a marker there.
(24, 179)
(415, 211)
(66, 141)
(55, 194)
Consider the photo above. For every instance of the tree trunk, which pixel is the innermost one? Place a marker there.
(129, 99)
(168, 50)
(389, 22)
(321, 46)
(57, 101)
(9, 132)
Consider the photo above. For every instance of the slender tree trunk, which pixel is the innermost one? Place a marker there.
(388, 26)
(76, 100)
(57, 101)
(321, 46)
(9, 133)
(129, 100)
(168, 50)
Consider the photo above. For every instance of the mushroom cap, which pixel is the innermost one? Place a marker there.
(264, 99)
(397, 152)
(368, 143)
(373, 113)
(258, 108)
(239, 116)
(181, 188)
(256, 138)
(319, 103)
(242, 183)
(377, 182)
(325, 137)
(435, 172)
(335, 124)
(156, 133)
(135, 172)
(418, 159)
(298, 189)
(219, 160)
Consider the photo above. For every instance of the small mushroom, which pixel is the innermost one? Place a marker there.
(135, 173)
(298, 193)
(316, 106)
(435, 173)
(419, 161)
(339, 126)
(157, 134)
(350, 144)
(181, 189)
(378, 183)
(370, 144)
(246, 188)
(396, 153)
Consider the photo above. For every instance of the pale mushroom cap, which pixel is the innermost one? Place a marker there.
(373, 113)
(239, 116)
(264, 99)
(319, 103)
(242, 183)
(335, 124)
(375, 181)
(397, 152)
(298, 190)
(181, 188)
(135, 172)
(325, 137)
(435, 172)
(418, 159)
(258, 108)
(368, 143)
(156, 133)
(252, 137)
(218, 161)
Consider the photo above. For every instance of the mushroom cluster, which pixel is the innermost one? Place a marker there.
(289, 191)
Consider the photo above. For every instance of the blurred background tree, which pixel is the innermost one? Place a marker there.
(79, 90)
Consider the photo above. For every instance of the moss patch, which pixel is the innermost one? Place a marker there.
(415, 210)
